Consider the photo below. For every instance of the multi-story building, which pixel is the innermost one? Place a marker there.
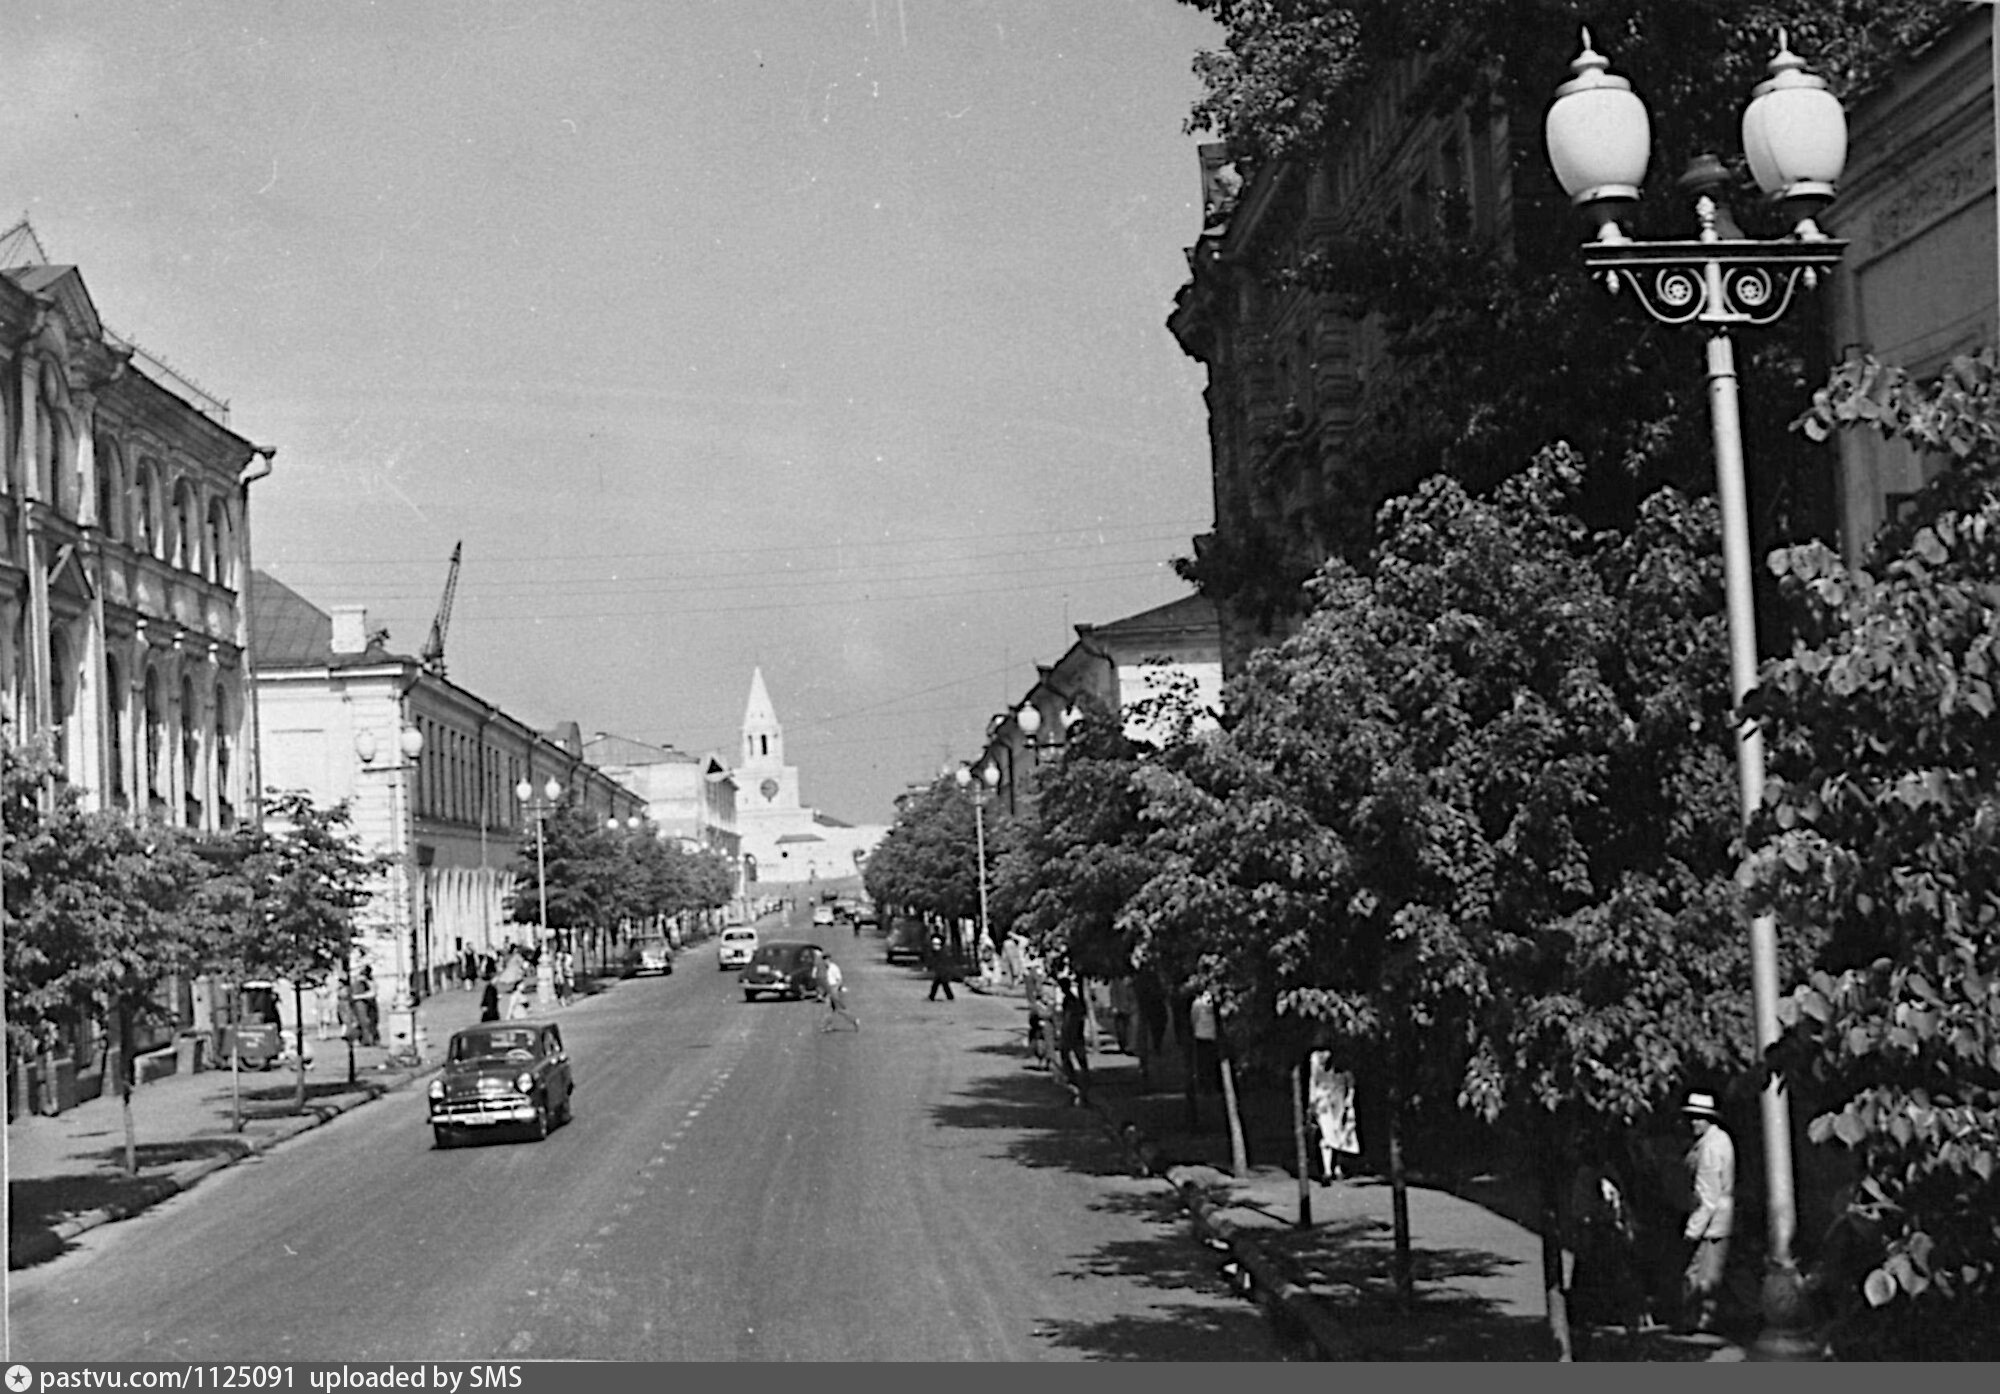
(1138, 667)
(430, 773)
(1291, 382)
(124, 538)
(1290, 379)
(691, 798)
(1917, 285)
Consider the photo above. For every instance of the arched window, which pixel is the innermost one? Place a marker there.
(147, 508)
(186, 524)
(190, 756)
(155, 772)
(114, 736)
(110, 488)
(62, 693)
(225, 807)
(219, 561)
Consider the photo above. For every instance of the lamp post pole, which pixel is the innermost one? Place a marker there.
(1795, 140)
(539, 808)
(989, 776)
(404, 1044)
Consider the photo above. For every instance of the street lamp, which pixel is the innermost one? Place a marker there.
(539, 809)
(989, 775)
(1795, 141)
(403, 998)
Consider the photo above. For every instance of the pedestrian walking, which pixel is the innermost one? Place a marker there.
(489, 1000)
(1207, 1034)
(365, 1019)
(1332, 1094)
(517, 999)
(940, 963)
(833, 987)
(1071, 1044)
(468, 968)
(1711, 1164)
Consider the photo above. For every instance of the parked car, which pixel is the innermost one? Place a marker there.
(906, 941)
(822, 914)
(782, 968)
(734, 948)
(653, 954)
(501, 1074)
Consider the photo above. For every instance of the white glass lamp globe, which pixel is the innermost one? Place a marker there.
(1028, 719)
(1598, 135)
(1794, 131)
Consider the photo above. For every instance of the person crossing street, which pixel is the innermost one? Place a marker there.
(833, 986)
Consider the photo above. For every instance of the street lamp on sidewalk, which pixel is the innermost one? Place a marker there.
(989, 776)
(539, 807)
(1795, 142)
(403, 997)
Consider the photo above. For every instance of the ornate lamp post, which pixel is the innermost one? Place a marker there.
(539, 809)
(403, 998)
(989, 776)
(1795, 141)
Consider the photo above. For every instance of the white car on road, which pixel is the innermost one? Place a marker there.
(734, 948)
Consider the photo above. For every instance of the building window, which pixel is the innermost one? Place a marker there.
(156, 741)
(114, 736)
(225, 808)
(191, 803)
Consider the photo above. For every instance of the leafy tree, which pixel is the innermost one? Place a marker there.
(1879, 830)
(577, 865)
(1475, 819)
(299, 879)
(928, 862)
(103, 917)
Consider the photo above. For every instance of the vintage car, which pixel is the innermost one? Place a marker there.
(782, 968)
(734, 948)
(501, 1074)
(652, 954)
(822, 914)
(906, 941)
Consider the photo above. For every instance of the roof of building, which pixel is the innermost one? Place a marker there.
(1189, 612)
(286, 629)
(606, 749)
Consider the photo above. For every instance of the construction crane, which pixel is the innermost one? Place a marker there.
(433, 654)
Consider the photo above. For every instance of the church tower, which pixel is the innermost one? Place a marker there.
(764, 781)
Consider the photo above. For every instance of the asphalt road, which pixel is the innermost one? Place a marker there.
(736, 1185)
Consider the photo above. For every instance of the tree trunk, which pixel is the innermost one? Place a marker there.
(1548, 1172)
(1399, 1185)
(125, 1089)
(1300, 1151)
(1239, 1155)
(299, 1029)
(1191, 1059)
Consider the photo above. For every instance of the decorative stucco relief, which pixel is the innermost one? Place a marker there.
(1927, 198)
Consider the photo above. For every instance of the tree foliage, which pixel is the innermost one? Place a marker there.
(1882, 828)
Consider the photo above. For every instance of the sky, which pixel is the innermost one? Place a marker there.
(826, 336)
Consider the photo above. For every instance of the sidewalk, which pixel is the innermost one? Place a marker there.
(65, 1174)
(1477, 1274)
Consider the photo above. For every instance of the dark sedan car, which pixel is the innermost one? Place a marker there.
(501, 1074)
(783, 968)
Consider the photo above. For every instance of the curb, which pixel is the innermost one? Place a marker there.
(1261, 1278)
(40, 1245)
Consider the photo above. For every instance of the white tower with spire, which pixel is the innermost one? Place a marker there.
(765, 783)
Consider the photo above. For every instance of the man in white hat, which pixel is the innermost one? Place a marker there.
(1711, 1161)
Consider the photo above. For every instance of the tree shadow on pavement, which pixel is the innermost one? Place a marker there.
(275, 1100)
(1182, 1332)
(44, 1202)
(1050, 1132)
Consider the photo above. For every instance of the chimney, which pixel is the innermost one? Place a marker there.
(350, 629)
